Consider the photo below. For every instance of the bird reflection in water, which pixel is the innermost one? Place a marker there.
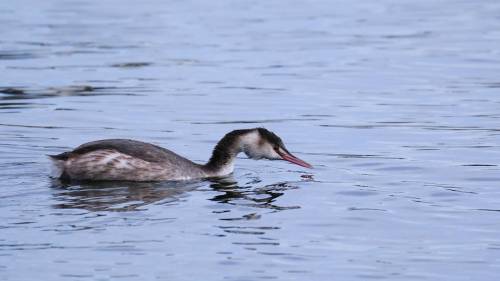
(250, 195)
(135, 196)
(118, 196)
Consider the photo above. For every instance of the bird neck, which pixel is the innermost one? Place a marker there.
(222, 161)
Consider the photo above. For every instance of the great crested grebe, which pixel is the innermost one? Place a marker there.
(130, 160)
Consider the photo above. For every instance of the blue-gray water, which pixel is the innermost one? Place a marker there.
(395, 103)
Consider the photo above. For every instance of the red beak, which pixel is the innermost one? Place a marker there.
(295, 160)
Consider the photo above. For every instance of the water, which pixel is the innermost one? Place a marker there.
(395, 103)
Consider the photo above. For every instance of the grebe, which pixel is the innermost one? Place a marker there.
(130, 160)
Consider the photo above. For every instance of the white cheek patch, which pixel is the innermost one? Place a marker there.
(249, 143)
(252, 152)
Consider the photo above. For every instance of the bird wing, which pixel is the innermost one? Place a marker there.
(142, 150)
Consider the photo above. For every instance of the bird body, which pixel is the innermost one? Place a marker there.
(131, 160)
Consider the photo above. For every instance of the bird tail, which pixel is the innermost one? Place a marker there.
(57, 168)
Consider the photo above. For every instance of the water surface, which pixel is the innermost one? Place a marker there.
(396, 104)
